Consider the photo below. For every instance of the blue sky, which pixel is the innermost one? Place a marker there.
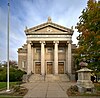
(31, 13)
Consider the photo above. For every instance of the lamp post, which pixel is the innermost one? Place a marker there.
(8, 48)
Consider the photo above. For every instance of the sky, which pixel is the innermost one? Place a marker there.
(31, 13)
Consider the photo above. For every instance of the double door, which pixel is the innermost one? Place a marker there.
(49, 68)
(61, 68)
(38, 68)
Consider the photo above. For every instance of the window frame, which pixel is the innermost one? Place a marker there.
(23, 64)
(48, 50)
(38, 50)
(61, 49)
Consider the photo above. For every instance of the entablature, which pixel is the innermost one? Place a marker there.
(49, 36)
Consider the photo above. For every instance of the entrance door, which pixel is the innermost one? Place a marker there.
(61, 68)
(49, 68)
(38, 68)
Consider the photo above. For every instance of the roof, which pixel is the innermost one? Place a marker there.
(49, 23)
(84, 70)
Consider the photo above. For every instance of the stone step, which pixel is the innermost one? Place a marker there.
(36, 78)
(64, 77)
(49, 78)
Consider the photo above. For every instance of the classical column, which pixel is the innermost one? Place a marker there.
(32, 62)
(66, 58)
(29, 58)
(56, 57)
(42, 58)
(69, 57)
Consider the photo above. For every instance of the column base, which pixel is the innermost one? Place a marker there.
(42, 74)
(55, 73)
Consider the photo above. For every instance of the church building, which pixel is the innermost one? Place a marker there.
(48, 50)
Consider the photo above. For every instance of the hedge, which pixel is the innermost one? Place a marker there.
(14, 74)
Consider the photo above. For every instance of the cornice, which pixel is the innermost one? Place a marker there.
(48, 33)
(54, 25)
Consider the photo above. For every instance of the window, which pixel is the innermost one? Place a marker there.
(38, 50)
(37, 63)
(49, 50)
(23, 64)
(61, 49)
(61, 63)
(49, 63)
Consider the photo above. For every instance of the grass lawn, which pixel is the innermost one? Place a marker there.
(97, 85)
(18, 91)
(3, 85)
(8, 96)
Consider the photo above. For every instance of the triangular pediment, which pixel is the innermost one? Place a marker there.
(48, 27)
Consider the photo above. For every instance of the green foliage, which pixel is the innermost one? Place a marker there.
(97, 85)
(15, 75)
(73, 90)
(4, 84)
(18, 91)
(89, 38)
(16, 88)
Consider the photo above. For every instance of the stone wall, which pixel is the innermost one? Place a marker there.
(22, 58)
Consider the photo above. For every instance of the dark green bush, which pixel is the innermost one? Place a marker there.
(73, 90)
(16, 88)
(14, 75)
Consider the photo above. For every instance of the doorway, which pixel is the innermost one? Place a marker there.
(61, 68)
(49, 68)
(37, 67)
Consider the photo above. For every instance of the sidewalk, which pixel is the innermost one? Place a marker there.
(47, 89)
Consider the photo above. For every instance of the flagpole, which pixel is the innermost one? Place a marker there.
(8, 48)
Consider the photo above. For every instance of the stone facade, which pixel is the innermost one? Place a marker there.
(48, 50)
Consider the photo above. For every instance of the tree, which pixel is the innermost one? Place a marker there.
(14, 74)
(12, 63)
(89, 38)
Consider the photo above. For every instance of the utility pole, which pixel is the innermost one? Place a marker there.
(8, 47)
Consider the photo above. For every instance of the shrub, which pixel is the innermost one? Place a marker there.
(16, 88)
(14, 75)
(73, 90)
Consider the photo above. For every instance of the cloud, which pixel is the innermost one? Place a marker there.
(31, 13)
(3, 34)
(17, 36)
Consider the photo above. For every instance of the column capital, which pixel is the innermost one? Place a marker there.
(28, 42)
(69, 41)
(56, 42)
(42, 42)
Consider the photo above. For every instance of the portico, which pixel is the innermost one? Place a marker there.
(44, 63)
(48, 50)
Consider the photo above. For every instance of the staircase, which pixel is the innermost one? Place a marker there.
(36, 77)
(64, 77)
(49, 78)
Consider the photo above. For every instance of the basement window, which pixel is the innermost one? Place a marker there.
(60, 50)
(49, 50)
(38, 50)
